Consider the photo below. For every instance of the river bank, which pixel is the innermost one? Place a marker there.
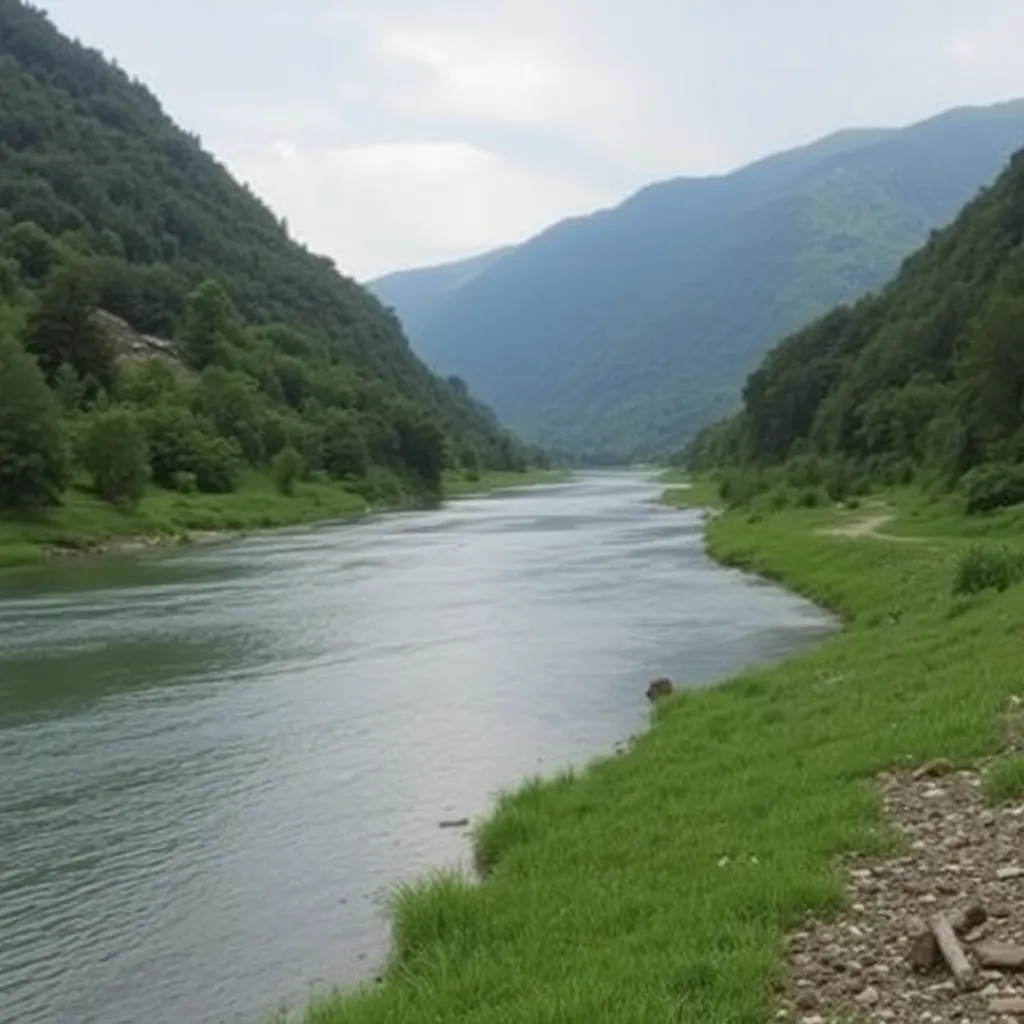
(661, 885)
(84, 525)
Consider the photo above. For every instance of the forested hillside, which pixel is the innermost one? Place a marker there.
(277, 362)
(619, 334)
(924, 379)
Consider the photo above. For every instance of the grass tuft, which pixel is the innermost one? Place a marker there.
(1004, 780)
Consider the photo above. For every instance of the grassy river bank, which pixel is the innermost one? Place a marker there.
(659, 885)
(85, 524)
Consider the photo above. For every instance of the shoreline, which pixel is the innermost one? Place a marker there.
(662, 884)
(332, 503)
(702, 500)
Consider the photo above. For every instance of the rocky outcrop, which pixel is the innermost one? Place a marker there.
(133, 345)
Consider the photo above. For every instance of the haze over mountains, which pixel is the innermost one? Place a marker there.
(618, 335)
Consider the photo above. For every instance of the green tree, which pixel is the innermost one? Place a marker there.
(34, 251)
(62, 329)
(115, 453)
(211, 325)
(345, 451)
(287, 469)
(33, 455)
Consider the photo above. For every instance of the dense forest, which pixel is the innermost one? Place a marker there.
(617, 335)
(114, 223)
(922, 381)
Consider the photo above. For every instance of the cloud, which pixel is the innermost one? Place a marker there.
(464, 77)
(441, 198)
(397, 131)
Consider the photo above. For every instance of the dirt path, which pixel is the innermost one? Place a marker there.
(869, 526)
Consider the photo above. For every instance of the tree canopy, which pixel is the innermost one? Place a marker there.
(924, 378)
(137, 272)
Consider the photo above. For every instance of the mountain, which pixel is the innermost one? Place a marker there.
(924, 378)
(419, 294)
(109, 210)
(619, 334)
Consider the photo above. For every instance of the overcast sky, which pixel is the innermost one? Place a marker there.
(393, 133)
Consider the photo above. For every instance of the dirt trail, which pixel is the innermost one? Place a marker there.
(869, 526)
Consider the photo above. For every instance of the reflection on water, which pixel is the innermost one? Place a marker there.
(217, 760)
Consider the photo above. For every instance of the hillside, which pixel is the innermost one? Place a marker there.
(924, 379)
(418, 295)
(619, 334)
(278, 363)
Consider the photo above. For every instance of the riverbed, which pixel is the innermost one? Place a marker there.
(217, 762)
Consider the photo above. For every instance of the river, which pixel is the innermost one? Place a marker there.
(217, 761)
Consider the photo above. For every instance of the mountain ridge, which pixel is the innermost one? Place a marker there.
(618, 334)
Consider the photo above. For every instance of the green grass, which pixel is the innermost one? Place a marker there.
(84, 523)
(1004, 780)
(659, 886)
(457, 485)
(684, 491)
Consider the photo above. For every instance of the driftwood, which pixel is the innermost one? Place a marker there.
(952, 951)
(925, 951)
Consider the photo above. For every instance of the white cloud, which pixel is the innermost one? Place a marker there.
(397, 131)
(442, 199)
(467, 77)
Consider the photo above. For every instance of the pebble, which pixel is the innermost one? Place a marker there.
(958, 852)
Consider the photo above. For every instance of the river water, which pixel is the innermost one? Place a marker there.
(216, 762)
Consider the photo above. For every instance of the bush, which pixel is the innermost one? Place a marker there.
(180, 442)
(184, 482)
(988, 567)
(740, 487)
(998, 485)
(287, 470)
(115, 453)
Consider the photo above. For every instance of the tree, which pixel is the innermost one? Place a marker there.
(287, 470)
(62, 329)
(34, 251)
(33, 454)
(115, 452)
(211, 325)
(345, 451)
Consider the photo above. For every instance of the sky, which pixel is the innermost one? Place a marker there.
(398, 133)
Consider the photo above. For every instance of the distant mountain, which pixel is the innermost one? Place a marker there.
(417, 295)
(619, 334)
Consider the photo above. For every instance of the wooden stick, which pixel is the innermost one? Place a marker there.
(952, 951)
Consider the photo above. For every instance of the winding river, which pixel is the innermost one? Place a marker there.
(217, 761)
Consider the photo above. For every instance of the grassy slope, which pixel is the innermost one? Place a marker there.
(84, 522)
(659, 886)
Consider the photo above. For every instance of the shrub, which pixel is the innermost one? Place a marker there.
(115, 453)
(180, 442)
(740, 487)
(997, 485)
(287, 470)
(184, 482)
(988, 567)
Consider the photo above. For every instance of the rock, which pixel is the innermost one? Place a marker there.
(1000, 911)
(869, 997)
(455, 823)
(1009, 873)
(657, 689)
(807, 1000)
(1002, 956)
(1007, 1005)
